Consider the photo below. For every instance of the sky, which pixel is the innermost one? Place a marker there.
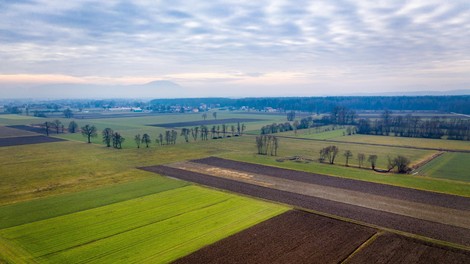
(53, 49)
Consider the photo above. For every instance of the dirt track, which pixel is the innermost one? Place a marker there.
(380, 218)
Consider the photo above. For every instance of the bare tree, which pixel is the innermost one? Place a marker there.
(57, 124)
(73, 126)
(146, 140)
(360, 159)
(107, 136)
(214, 114)
(204, 116)
(138, 140)
(117, 140)
(185, 133)
(373, 161)
(89, 131)
(47, 125)
(347, 154)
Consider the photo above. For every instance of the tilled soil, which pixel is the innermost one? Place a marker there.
(208, 122)
(380, 218)
(413, 195)
(12, 132)
(293, 237)
(38, 130)
(15, 141)
(391, 248)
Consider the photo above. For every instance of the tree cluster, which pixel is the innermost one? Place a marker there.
(267, 145)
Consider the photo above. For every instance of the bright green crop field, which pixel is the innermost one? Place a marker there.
(452, 166)
(157, 227)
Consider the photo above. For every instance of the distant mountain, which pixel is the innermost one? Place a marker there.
(154, 89)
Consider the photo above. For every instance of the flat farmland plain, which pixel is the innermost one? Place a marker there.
(158, 227)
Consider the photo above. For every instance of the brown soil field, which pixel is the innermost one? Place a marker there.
(31, 129)
(207, 122)
(13, 132)
(26, 140)
(425, 197)
(379, 218)
(391, 248)
(292, 237)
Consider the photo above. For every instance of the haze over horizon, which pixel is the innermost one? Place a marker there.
(56, 49)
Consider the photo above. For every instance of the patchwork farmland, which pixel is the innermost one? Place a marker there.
(69, 201)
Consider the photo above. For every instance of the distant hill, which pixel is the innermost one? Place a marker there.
(159, 88)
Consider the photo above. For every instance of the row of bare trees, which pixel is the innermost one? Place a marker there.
(400, 163)
(413, 126)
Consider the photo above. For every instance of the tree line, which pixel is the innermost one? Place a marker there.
(400, 163)
(412, 126)
(459, 104)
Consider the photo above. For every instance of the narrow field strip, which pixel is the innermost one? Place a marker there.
(395, 192)
(459, 218)
(35, 210)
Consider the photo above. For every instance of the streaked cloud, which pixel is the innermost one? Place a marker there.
(332, 45)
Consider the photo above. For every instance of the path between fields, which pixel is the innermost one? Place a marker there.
(422, 211)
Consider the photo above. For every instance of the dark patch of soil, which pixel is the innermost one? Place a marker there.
(391, 248)
(292, 237)
(398, 222)
(12, 132)
(207, 122)
(39, 130)
(15, 141)
(426, 197)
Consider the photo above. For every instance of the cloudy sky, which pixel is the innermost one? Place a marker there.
(234, 48)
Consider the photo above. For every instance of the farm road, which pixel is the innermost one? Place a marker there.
(428, 214)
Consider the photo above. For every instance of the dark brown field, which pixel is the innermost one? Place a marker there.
(293, 237)
(38, 130)
(207, 122)
(13, 132)
(26, 140)
(391, 248)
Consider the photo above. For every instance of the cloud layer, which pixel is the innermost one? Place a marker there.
(239, 47)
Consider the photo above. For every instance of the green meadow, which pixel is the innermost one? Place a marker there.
(450, 165)
(157, 227)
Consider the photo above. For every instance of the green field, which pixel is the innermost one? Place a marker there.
(158, 227)
(409, 142)
(452, 166)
